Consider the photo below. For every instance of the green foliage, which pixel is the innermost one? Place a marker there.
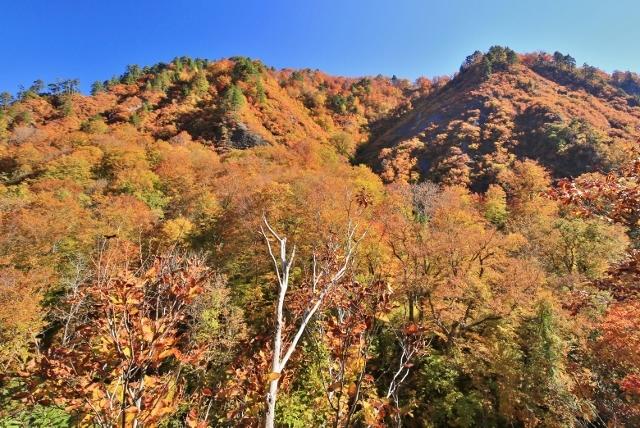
(545, 373)
(296, 411)
(564, 61)
(496, 59)
(305, 405)
(471, 60)
(544, 350)
(234, 99)
(362, 87)
(77, 166)
(178, 64)
(66, 105)
(33, 91)
(113, 81)
(495, 206)
(22, 117)
(443, 403)
(5, 100)
(586, 247)
(571, 148)
(244, 69)
(261, 95)
(340, 104)
(161, 81)
(343, 143)
(297, 76)
(199, 84)
(94, 125)
(153, 197)
(566, 137)
(39, 417)
(135, 119)
(64, 87)
(97, 87)
(132, 74)
(37, 86)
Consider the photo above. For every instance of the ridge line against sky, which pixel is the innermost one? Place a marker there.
(93, 40)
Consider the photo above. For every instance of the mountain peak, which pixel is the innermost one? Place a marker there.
(502, 106)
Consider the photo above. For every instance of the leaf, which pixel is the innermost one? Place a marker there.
(151, 272)
(353, 389)
(335, 386)
(273, 376)
(359, 328)
(411, 329)
(167, 353)
(147, 332)
(383, 317)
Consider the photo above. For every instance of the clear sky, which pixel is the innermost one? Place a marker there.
(93, 40)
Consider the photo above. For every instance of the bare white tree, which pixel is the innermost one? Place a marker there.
(411, 345)
(324, 279)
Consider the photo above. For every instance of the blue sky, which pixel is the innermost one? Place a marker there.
(93, 40)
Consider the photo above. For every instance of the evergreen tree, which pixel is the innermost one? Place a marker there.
(178, 63)
(5, 100)
(70, 86)
(133, 73)
(55, 88)
(97, 87)
(260, 92)
(161, 82)
(234, 99)
(113, 81)
(37, 87)
(472, 59)
(135, 119)
(200, 84)
(244, 68)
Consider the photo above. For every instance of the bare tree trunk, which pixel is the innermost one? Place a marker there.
(283, 268)
(283, 280)
(411, 302)
(271, 404)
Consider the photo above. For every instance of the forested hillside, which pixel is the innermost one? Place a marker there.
(219, 243)
(502, 106)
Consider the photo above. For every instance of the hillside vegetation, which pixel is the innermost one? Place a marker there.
(447, 252)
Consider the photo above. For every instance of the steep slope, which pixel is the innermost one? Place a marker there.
(494, 306)
(230, 103)
(499, 107)
(487, 116)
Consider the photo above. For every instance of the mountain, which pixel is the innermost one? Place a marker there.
(460, 130)
(466, 247)
(234, 103)
(572, 120)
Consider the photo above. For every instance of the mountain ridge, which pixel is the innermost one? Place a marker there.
(519, 111)
(455, 130)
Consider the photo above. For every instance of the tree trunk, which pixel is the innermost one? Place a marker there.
(271, 404)
(283, 269)
(272, 395)
(411, 302)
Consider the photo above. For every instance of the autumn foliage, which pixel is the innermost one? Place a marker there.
(487, 275)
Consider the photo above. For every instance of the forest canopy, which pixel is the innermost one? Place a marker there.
(219, 243)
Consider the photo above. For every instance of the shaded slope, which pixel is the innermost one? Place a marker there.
(230, 103)
(477, 124)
